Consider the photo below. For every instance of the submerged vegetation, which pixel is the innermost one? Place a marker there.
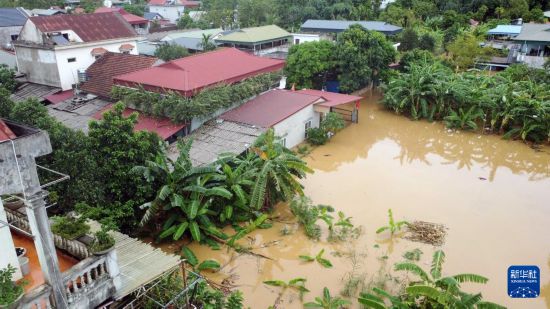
(392, 226)
(515, 103)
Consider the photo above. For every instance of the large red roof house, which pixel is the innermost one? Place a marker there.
(51, 50)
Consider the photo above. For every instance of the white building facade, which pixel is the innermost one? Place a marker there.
(54, 57)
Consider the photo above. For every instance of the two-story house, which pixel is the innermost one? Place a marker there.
(52, 50)
(172, 9)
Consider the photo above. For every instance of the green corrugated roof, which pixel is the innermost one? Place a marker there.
(255, 35)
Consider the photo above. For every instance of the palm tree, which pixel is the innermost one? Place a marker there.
(206, 43)
(278, 170)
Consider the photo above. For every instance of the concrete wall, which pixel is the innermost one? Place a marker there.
(293, 128)
(172, 13)
(8, 59)
(68, 71)
(8, 256)
(6, 33)
(40, 65)
(299, 38)
(30, 33)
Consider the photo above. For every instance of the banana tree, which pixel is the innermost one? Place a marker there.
(278, 170)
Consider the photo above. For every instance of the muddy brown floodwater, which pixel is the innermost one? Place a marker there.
(492, 195)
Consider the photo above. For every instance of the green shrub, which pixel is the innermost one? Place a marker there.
(102, 240)
(317, 136)
(69, 227)
(9, 290)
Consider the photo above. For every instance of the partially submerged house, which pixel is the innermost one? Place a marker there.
(172, 9)
(257, 40)
(11, 22)
(140, 24)
(333, 27)
(52, 50)
(291, 113)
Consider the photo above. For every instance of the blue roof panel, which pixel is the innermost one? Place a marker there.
(505, 30)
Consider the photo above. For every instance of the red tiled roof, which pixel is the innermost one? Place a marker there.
(100, 74)
(191, 74)
(188, 3)
(60, 96)
(129, 17)
(332, 98)
(270, 108)
(89, 27)
(5, 132)
(162, 126)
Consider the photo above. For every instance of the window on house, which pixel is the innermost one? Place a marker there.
(73, 59)
(307, 126)
(296, 41)
(14, 37)
(283, 141)
(126, 52)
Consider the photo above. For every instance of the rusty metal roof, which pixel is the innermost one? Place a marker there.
(89, 27)
(5, 132)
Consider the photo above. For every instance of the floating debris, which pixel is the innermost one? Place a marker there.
(426, 232)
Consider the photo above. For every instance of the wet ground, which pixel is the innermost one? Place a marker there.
(492, 195)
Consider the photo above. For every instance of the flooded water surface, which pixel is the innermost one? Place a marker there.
(492, 195)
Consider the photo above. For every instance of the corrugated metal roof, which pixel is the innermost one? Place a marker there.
(191, 39)
(188, 3)
(31, 90)
(131, 18)
(12, 17)
(89, 27)
(270, 108)
(315, 25)
(191, 74)
(100, 74)
(215, 138)
(255, 35)
(534, 32)
(506, 30)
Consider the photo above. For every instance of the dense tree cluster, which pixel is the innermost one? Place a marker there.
(358, 58)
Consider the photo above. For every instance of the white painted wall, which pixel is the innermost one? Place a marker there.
(299, 38)
(172, 13)
(68, 71)
(293, 128)
(8, 255)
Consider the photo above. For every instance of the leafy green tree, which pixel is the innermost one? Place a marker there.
(7, 78)
(465, 51)
(253, 13)
(278, 171)
(185, 22)
(427, 42)
(117, 148)
(168, 52)
(517, 9)
(6, 104)
(310, 64)
(362, 56)
(416, 56)
(136, 9)
(409, 40)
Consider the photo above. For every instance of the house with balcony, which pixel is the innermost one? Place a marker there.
(172, 10)
(51, 50)
(258, 41)
(534, 41)
(60, 272)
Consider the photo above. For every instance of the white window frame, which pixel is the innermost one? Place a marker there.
(307, 125)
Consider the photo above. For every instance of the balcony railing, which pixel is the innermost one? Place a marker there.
(38, 298)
